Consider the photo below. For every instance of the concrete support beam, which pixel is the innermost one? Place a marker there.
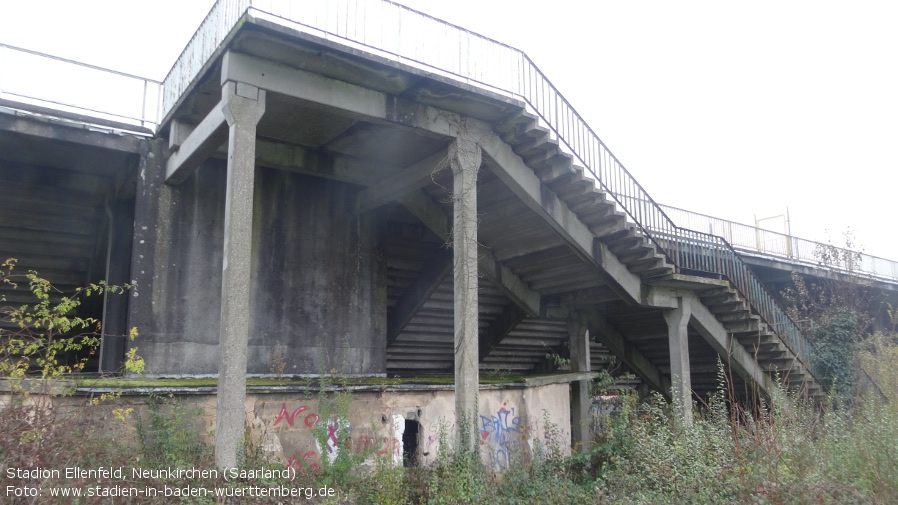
(730, 350)
(519, 177)
(417, 294)
(581, 434)
(464, 158)
(607, 334)
(118, 268)
(433, 217)
(410, 179)
(280, 78)
(678, 339)
(359, 102)
(293, 158)
(202, 141)
(510, 317)
(243, 107)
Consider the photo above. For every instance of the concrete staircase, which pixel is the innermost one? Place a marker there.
(539, 148)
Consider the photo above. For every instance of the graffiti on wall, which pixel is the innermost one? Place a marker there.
(503, 434)
(506, 437)
(337, 435)
(500, 434)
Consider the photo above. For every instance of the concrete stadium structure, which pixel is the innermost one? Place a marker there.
(322, 189)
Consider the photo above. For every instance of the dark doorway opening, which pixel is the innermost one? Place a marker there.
(410, 443)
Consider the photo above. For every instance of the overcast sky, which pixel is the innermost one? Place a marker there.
(736, 109)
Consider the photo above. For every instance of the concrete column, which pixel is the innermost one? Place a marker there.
(464, 158)
(581, 434)
(243, 107)
(680, 375)
(118, 267)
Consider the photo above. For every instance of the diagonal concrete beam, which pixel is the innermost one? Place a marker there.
(433, 217)
(412, 178)
(374, 106)
(519, 177)
(356, 101)
(193, 150)
(499, 328)
(418, 293)
(606, 333)
(730, 350)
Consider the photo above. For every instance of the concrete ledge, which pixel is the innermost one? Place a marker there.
(693, 282)
(558, 378)
(52, 387)
(207, 385)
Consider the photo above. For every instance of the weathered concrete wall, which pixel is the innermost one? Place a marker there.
(515, 424)
(319, 289)
(318, 284)
(177, 266)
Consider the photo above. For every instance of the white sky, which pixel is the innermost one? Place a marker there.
(730, 109)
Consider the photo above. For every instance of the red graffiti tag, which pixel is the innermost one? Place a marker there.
(310, 420)
(294, 462)
(285, 414)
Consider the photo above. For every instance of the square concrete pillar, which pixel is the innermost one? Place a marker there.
(465, 158)
(243, 107)
(581, 401)
(118, 268)
(680, 376)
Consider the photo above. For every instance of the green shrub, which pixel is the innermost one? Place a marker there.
(169, 436)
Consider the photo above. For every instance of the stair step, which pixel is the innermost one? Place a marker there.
(554, 172)
(762, 345)
(626, 245)
(528, 131)
(744, 325)
(770, 355)
(537, 149)
(610, 228)
(728, 307)
(738, 315)
(641, 253)
(714, 297)
(576, 190)
(517, 123)
(647, 272)
(625, 242)
(600, 215)
(587, 202)
(643, 265)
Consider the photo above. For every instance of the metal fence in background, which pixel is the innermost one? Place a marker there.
(756, 240)
(87, 92)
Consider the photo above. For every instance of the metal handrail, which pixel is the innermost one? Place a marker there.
(414, 38)
(754, 239)
(86, 86)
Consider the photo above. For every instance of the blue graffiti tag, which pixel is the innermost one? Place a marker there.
(495, 432)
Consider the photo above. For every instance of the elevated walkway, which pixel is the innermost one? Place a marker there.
(767, 248)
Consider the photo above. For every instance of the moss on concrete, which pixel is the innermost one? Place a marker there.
(130, 382)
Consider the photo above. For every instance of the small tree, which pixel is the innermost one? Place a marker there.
(47, 338)
(838, 311)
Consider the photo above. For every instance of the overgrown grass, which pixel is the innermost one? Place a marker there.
(787, 453)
